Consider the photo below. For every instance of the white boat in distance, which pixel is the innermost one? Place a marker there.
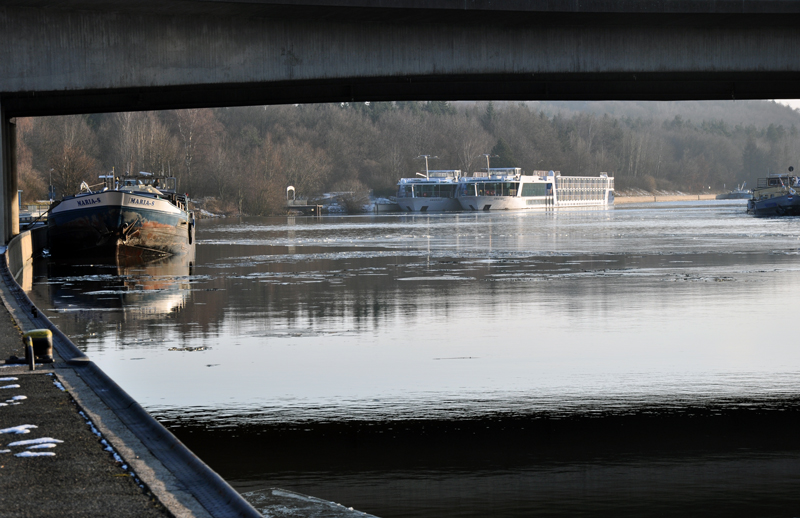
(434, 191)
(507, 188)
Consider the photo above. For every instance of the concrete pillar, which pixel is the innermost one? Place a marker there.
(4, 231)
(9, 200)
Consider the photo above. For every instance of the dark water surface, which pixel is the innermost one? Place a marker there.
(642, 360)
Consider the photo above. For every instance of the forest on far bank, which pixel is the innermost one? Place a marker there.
(245, 158)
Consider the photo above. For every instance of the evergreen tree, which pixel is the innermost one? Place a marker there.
(505, 157)
(489, 117)
(439, 108)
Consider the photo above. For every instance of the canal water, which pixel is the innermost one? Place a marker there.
(638, 360)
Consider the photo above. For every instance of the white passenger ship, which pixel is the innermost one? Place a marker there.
(435, 191)
(509, 189)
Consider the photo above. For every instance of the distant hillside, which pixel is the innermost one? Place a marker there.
(758, 113)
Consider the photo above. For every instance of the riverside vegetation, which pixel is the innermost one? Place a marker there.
(244, 158)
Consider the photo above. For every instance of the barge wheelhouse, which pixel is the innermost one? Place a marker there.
(776, 195)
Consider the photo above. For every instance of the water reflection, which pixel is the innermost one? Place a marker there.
(102, 299)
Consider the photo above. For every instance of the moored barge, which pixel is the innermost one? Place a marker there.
(776, 195)
(133, 216)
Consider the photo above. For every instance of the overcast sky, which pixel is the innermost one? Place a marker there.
(794, 103)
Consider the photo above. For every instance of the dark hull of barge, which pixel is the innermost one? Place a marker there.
(119, 232)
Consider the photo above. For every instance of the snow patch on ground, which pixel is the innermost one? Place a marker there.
(9, 379)
(35, 444)
(35, 454)
(23, 428)
(10, 387)
(13, 401)
(41, 440)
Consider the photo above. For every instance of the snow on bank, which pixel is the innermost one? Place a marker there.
(35, 454)
(23, 428)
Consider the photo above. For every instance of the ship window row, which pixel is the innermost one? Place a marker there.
(427, 191)
(566, 182)
(536, 189)
(579, 196)
(489, 189)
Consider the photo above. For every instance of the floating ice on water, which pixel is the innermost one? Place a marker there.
(35, 454)
(41, 440)
(23, 428)
(78, 310)
(442, 278)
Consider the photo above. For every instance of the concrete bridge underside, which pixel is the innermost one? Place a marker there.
(80, 56)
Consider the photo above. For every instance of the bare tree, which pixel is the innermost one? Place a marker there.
(195, 128)
(31, 181)
(70, 146)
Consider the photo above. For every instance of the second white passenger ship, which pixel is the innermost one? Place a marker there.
(509, 189)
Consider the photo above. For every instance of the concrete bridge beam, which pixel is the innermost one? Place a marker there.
(98, 55)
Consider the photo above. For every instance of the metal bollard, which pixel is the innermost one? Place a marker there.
(38, 346)
(29, 353)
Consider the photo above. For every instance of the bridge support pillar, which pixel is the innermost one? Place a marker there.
(9, 198)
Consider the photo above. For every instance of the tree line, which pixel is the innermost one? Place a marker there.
(245, 158)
